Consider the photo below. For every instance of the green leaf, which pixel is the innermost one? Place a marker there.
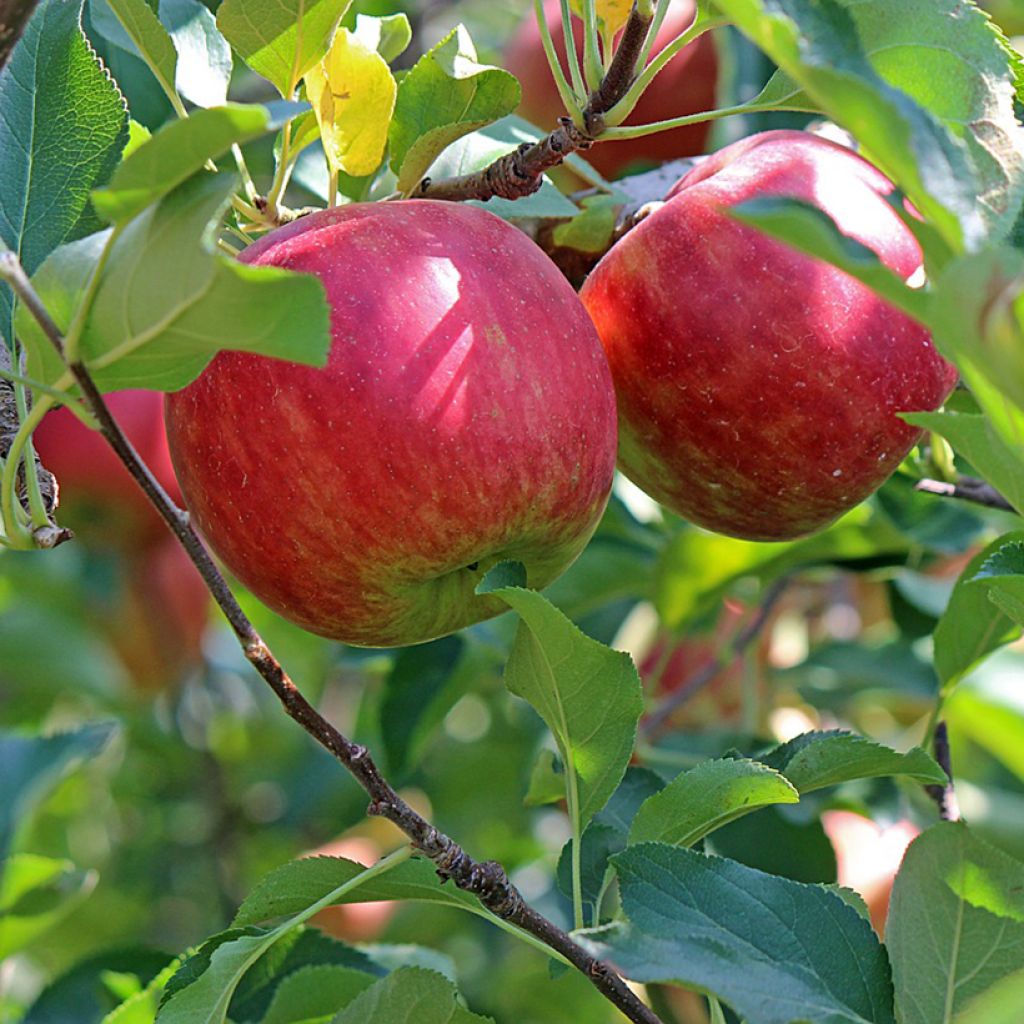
(598, 844)
(202, 991)
(812, 231)
(547, 781)
(316, 992)
(174, 154)
(36, 893)
(978, 323)
(708, 797)
(817, 44)
(776, 951)
(165, 304)
(390, 36)
(30, 766)
(204, 56)
(588, 695)
(977, 441)
(607, 834)
(956, 923)
(999, 1005)
(302, 947)
(151, 39)
(417, 695)
(280, 39)
(446, 94)
(142, 1006)
(1002, 574)
(289, 888)
(410, 995)
(63, 125)
(989, 710)
(972, 627)
(949, 58)
(818, 759)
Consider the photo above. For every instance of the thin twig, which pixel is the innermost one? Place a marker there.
(967, 488)
(488, 880)
(655, 723)
(944, 796)
(520, 173)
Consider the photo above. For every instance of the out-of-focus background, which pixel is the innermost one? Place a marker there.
(207, 785)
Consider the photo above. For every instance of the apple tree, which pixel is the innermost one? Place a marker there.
(325, 326)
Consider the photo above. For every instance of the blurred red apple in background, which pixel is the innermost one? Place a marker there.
(758, 388)
(158, 619)
(685, 86)
(157, 607)
(465, 417)
(868, 856)
(99, 500)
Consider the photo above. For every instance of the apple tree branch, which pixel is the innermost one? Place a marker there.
(488, 880)
(520, 173)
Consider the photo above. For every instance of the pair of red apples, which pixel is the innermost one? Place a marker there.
(467, 412)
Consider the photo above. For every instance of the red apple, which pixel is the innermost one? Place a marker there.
(868, 857)
(159, 616)
(98, 497)
(466, 416)
(758, 388)
(685, 86)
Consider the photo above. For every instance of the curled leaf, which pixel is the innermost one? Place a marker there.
(353, 95)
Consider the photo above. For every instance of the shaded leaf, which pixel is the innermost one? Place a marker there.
(63, 125)
(315, 992)
(776, 951)
(818, 759)
(35, 893)
(30, 766)
(410, 995)
(972, 627)
(956, 923)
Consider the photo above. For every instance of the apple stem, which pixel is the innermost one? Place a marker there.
(520, 173)
(488, 881)
(966, 488)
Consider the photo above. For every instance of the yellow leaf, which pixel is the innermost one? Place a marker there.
(612, 14)
(352, 92)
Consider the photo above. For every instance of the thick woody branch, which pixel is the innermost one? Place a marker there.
(967, 488)
(520, 173)
(14, 16)
(488, 880)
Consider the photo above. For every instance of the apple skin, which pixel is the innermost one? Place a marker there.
(465, 417)
(758, 388)
(685, 86)
(99, 500)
